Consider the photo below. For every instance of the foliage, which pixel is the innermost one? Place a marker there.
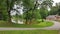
(30, 11)
(28, 4)
(43, 13)
(3, 7)
(55, 9)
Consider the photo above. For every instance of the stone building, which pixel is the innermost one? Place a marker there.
(53, 17)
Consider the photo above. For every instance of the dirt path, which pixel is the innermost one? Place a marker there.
(56, 26)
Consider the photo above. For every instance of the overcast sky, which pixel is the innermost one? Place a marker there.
(55, 1)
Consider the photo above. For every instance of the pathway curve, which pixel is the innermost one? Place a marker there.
(56, 26)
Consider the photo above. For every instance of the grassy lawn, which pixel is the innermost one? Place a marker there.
(42, 24)
(29, 32)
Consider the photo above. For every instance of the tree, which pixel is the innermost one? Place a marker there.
(32, 17)
(30, 10)
(58, 7)
(43, 13)
(28, 5)
(44, 8)
(10, 4)
(55, 9)
(3, 9)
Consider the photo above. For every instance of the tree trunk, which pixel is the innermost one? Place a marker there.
(9, 10)
(27, 18)
(30, 21)
(35, 6)
(42, 20)
(26, 21)
(9, 16)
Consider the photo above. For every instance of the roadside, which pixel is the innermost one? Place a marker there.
(56, 26)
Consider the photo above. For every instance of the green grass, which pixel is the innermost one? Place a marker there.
(30, 32)
(39, 25)
(45, 23)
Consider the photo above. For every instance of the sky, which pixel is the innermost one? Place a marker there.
(55, 1)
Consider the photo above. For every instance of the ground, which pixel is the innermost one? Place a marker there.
(56, 26)
(38, 25)
(54, 29)
(29, 32)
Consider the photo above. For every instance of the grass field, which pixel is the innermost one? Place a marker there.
(30, 32)
(42, 24)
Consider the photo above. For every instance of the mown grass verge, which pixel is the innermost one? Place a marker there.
(29, 32)
(38, 25)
